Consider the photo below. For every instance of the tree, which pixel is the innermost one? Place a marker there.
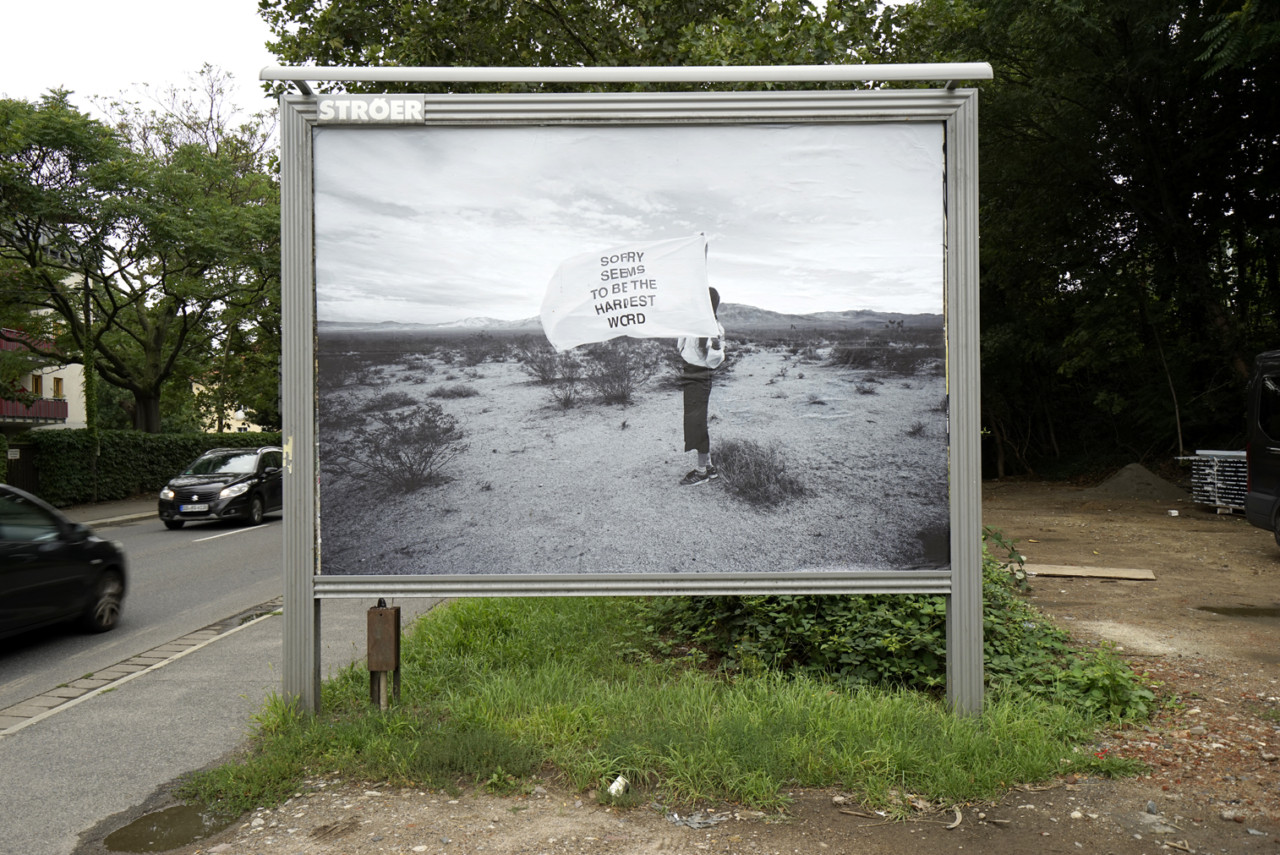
(1129, 247)
(547, 33)
(133, 238)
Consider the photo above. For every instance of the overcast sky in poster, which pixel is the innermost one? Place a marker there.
(442, 224)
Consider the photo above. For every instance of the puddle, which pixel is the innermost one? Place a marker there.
(1242, 611)
(167, 829)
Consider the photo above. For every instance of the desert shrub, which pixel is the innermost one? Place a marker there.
(809, 353)
(898, 640)
(861, 355)
(538, 359)
(418, 362)
(390, 401)
(756, 474)
(566, 394)
(403, 451)
(896, 353)
(335, 370)
(456, 390)
(339, 413)
(615, 370)
(481, 347)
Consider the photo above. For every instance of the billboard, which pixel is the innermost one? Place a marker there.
(631, 343)
(466, 429)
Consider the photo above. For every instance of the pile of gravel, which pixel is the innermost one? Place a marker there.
(1135, 481)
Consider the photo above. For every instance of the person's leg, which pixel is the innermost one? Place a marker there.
(697, 393)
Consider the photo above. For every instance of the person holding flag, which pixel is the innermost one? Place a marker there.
(650, 289)
(702, 356)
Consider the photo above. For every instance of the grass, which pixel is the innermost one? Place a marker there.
(496, 691)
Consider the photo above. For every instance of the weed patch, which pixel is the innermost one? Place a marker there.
(495, 689)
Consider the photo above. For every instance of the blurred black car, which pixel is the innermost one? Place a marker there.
(1262, 449)
(226, 483)
(54, 570)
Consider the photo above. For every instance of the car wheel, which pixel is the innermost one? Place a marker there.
(256, 510)
(104, 609)
(1277, 529)
(173, 525)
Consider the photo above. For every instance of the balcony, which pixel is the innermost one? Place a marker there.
(45, 411)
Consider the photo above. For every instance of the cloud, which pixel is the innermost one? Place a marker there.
(441, 224)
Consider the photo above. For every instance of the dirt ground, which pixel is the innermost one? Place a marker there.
(1214, 781)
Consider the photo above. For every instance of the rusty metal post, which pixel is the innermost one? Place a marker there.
(384, 653)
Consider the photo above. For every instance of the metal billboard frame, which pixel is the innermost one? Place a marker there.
(955, 108)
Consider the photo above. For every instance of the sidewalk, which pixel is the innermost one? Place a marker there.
(114, 513)
(94, 762)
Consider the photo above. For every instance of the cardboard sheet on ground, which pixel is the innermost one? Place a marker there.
(1091, 572)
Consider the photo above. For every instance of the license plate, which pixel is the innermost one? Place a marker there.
(191, 509)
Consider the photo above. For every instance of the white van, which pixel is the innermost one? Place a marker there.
(1262, 500)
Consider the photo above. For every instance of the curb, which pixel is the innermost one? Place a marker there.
(122, 519)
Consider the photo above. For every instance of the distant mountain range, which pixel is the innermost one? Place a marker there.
(734, 316)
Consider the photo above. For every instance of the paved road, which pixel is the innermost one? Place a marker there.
(107, 753)
(179, 581)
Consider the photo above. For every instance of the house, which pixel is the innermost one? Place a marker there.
(59, 397)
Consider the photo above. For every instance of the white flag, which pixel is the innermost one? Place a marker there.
(656, 289)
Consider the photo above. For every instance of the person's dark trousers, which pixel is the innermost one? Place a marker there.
(696, 381)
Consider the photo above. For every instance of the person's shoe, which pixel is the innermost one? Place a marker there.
(695, 477)
(712, 472)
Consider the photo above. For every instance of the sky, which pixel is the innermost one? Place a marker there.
(102, 47)
(476, 229)
(443, 224)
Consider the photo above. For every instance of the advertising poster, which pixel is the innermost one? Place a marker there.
(505, 318)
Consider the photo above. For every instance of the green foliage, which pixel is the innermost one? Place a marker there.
(153, 242)
(496, 690)
(1241, 37)
(574, 33)
(128, 463)
(1129, 252)
(896, 641)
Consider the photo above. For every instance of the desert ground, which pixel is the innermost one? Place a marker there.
(536, 487)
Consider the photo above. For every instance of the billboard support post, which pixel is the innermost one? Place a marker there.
(301, 643)
(952, 111)
(964, 603)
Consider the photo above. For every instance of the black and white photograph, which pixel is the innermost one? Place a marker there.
(631, 349)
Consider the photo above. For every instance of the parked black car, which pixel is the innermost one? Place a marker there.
(54, 570)
(1262, 500)
(226, 483)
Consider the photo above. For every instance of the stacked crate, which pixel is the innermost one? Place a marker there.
(1220, 479)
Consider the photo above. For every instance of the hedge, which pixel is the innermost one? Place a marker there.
(4, 460)
(130, 463)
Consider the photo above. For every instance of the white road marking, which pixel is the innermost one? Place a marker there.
(228, 533)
